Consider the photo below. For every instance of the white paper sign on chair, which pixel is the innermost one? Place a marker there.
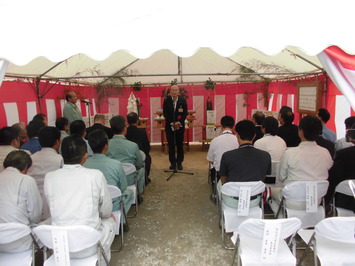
(270, 243)
(60, 247)
(311, 197)
(244, 201)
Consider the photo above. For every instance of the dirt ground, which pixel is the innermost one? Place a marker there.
(177, 223)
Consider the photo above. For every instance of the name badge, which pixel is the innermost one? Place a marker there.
(180, 110)
(270, 243)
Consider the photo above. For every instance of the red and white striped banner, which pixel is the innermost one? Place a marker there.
(340, 66)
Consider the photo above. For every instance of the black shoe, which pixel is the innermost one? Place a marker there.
(172, 167)
(140, 199)
(147, 181)
(179, 166)
(125, 227)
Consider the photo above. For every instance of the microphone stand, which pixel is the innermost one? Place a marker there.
(176, 171)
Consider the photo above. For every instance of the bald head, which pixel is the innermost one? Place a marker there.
(174, 91)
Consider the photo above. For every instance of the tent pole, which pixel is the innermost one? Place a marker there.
(306, 60)
(39, 97)
(180, 69)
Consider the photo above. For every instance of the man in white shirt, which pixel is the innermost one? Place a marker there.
(79, 196)
(46, 160)
(9, 141)
(227, 141)
(306, 162)
(343, 143)
(20, 200)
(270, 142)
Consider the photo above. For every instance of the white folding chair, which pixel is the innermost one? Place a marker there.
(333, 242)
(129, 168)
(244, 192)
(263, 242)
(342, 188)
(309, 195)
(12, 234)
(115, 192)
(65, 240)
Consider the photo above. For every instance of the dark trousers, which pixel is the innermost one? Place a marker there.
(178, 143)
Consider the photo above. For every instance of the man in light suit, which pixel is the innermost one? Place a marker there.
(175, 112)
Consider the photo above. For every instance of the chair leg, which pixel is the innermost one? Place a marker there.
(102, 252)
(236, 251)
(309, 244)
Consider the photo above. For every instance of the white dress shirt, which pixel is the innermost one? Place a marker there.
(341, 144)
(274, 145)
(44, 161)
(77, 195)
(308, 161)
(20, 200)
(225, 142)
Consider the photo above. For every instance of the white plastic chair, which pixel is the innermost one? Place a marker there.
(129, 168)
(297, 192)
(115, 192)
(333, 242)
(64, 240)
(263, 242)
(342, 188)
(10, 233)
(231, 217)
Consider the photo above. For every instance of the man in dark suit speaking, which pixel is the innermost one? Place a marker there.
(175, 112)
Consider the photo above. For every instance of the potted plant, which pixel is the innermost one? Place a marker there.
(137, 86)
(209, 84)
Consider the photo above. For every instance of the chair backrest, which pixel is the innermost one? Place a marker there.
(232, 188)
(344, 187)
(255, 227)
(339, 229)
(296, 191)
(80, 237)
(114, 191)
(128, 168)
(10, 232)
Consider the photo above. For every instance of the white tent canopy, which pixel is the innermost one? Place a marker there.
(58, 30)
(163, 66)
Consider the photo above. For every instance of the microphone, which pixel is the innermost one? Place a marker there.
(87, 102)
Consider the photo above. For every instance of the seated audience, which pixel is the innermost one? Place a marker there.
(288, 131)
(78, 127)
(62, 124)
(326, 144)
(79, 196)
(99, 123)
(343, 169)
(219, 145)
(41, 117)
(244, 164)
(9, 141)
(324, 117)
(20, 200)
(33, 128)
(46, 160)
(257, 119)
(126, 151)
(21, 127)
(139, 136)
(112, 169)
(271, 143)
(343, 142)
(306, 162)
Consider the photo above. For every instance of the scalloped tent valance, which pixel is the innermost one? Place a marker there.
(60, 29)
